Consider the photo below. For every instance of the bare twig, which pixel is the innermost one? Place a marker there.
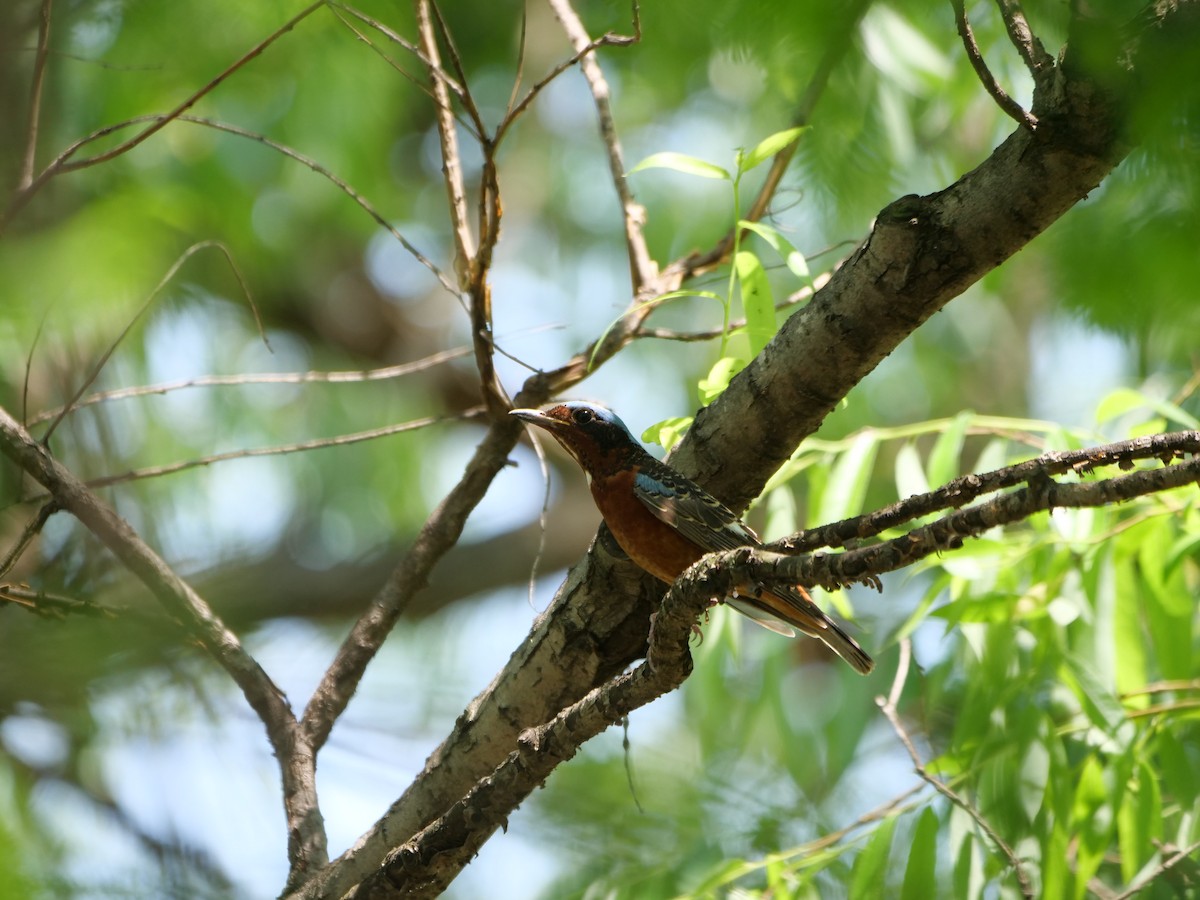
(1006, 103)
(340, 440)
(29, 159)
(517, 107)
(451, 158)
(465, 97)
(51, 606)
(31, 530)
(888, 707)
(472, 258)
(166, 279)
(347, 377)
(642, 268)
(344, 186)
(63, 162)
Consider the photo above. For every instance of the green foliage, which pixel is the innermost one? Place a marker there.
(1056, 695)
(1054, 687)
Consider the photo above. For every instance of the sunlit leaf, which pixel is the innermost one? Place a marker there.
(718, 378)
(769, 146)
(757, 301)
(681, 162)
(668, 432)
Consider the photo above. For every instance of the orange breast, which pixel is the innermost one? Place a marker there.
(651, 543)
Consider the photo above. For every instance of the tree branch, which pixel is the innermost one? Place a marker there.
(642, 268)
(306, 833)
(1007, 104)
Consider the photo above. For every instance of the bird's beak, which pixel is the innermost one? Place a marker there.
(536, 417)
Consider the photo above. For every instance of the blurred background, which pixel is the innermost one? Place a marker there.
(130, 767)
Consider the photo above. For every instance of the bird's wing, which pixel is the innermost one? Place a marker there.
(694, 513)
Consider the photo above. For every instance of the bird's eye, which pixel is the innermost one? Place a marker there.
(582, 416)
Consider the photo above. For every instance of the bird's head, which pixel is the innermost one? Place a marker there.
(595, 436)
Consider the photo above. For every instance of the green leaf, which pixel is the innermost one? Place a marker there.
(1092, 815)
(920, 876)
(757, 301)
(851, 474)
(656, 301)
(792, 257)
(668, 432)
(769, 146)
(681, 162)
(718, 378)
(944, 461)
(1125, 400)
(870, 866)
(1139, 821)
(910, 476)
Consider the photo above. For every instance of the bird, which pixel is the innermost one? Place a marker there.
(665, 522)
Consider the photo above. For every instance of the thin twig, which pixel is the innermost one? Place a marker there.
(643, 268)
(1010, 107)
(465, 97)
(163, 282)
(51, 606)
(888, 707)
(515, 110)
(349, 377)
(340, 440)
(29, 158)
(343, 186)
(451, 158)
(63, 164)
(457, 89)
(31, 530)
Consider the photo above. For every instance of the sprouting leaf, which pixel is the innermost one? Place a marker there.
(668, 432)
(757, 301)
(792, 257)
(656, 301)
(769, 146)
(718, 378)
(681, 162)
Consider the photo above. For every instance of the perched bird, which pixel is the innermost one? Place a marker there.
(665, 522)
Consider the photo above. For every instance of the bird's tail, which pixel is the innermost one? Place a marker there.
(793, 606)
